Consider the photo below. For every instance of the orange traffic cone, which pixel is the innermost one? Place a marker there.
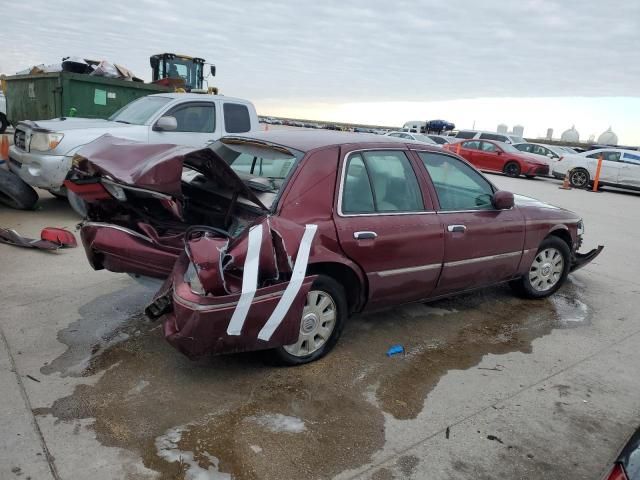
(4, 151)
(565, 183)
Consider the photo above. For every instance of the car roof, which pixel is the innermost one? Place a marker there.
(198, 96)
(307, 140)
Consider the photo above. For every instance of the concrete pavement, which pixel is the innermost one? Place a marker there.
(491, 386)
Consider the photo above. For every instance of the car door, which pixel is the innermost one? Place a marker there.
(524, 147)
(491, 156)
(469, 151)
(629, 172)
(196, 125)
(386, 224)
(482, 245)
(611, 165)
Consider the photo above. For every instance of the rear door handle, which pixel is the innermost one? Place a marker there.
(457, 228)
(364, 235)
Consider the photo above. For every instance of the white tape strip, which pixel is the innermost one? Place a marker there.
(289, 295)
(249, 281)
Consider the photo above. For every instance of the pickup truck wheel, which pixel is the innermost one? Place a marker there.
(323, 319)
(4, 123)
(547, 272)
(511, 169)
(15, 193)
(579, 178)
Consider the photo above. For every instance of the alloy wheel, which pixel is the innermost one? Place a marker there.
(316, 326)
(546, 269)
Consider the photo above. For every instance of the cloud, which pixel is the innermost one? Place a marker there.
(357, 51)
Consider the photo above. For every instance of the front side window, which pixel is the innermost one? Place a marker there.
(489, 147)
(236, 118)
(458, 186)
(194, 118)
(538, 150)
(474, 145)
(380, 182)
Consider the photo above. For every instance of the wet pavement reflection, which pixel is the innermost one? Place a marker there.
(239, 417)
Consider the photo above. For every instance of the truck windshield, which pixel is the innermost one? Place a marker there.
(139, 111)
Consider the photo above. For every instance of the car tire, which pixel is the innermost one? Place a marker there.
(4, 123)
(546, 275)
(511, 169)
(15, 193)
(579, 178)
(324, 289)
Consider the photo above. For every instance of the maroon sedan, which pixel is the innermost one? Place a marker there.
(499, 157)
(271, 241)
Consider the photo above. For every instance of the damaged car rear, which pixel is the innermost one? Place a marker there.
(272, 241)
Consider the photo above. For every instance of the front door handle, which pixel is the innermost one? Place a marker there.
(457, 228)
(364, 235)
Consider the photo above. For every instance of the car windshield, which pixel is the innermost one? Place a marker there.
(263, 168)
(139, 111)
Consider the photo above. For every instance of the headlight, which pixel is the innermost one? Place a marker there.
(43, 142)
(580, 228)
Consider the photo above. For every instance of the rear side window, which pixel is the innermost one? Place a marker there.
(236, 118)
(488, 147)
(631, 158)
(380, 182)
(493, 136)
(459, 187)
(465, 134)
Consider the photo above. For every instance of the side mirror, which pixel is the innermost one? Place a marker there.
(166, 124)
(213, 70)
(502, 200)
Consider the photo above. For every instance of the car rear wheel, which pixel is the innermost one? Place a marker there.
(15, 193)
(548, 270)
(323, 319)
(579, 178)
(512, 169)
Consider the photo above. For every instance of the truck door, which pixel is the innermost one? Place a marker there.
(196, 125)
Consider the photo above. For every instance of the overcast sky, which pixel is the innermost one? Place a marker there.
(327, 58)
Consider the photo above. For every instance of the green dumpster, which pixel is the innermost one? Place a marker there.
(61, 94)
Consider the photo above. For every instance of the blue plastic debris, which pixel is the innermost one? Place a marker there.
(394, 350)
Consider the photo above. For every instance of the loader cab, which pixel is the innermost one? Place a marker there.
(178, 71)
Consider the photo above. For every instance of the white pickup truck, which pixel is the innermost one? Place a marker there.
(42, 150)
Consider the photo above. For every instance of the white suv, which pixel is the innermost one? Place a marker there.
(498, 137)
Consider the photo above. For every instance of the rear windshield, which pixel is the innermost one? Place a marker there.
(263, 168)
(140, 111)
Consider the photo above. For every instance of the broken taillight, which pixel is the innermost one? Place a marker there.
(62, 237)
(89, 192)
(617, 473)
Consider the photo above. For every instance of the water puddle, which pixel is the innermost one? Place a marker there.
(238, 417)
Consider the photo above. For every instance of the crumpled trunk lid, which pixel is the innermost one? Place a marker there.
(157, 167)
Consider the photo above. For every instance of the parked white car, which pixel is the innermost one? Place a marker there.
(42, 150)
(551, 153)
(418, 137)
(620, 168)
(481, 135)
